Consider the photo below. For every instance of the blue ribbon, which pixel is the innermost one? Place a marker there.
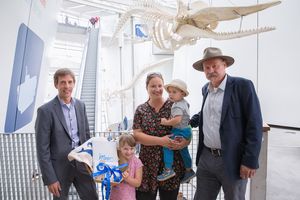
(105, 169)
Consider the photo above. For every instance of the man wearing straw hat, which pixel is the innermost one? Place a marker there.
(230, 130)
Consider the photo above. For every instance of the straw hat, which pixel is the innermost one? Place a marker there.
(177, 83)
(209, 53)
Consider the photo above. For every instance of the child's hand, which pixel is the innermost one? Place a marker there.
(163, 121)
(178, 138)
(125, 174)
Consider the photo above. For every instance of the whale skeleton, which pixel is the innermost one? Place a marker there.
(170, 30)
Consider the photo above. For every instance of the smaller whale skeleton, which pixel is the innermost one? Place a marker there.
(170, 31)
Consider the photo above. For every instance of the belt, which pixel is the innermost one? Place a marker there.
(215, 152)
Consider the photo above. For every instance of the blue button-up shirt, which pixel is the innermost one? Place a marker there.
(71, 120)
(212, 111)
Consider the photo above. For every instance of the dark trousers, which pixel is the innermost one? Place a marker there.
(83, 182)
(163, 195)
(211, 176)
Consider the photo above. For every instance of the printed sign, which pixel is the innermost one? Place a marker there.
(24, 80)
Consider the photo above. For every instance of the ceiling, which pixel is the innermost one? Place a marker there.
(73, 22)
(89, 8)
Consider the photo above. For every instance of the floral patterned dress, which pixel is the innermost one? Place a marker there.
(146, 119)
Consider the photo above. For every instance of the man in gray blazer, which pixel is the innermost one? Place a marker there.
(62, 125)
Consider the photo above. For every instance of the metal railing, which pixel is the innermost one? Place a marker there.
(20, 177)
(19, 172)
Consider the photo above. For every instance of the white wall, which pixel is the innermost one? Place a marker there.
(121, 62)
(38, 17)
(269, 60)
(258, 58)
(278, 74)
(244, 50)
(112, 77)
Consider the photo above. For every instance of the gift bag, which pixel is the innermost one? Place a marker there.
(105, 158)
(101, 159)
(84, 154)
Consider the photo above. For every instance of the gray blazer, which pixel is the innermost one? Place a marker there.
(53, 141)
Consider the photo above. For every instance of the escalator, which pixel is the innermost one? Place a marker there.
(89, 80)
